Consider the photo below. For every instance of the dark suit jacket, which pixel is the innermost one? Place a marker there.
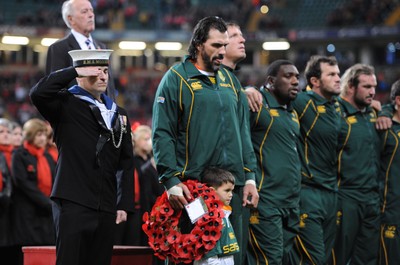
(84, 175)
(58, 58)
(57, 54)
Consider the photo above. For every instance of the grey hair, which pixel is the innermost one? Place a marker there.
(66, 11)
(5, 123)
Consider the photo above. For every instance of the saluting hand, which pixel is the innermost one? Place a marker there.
(88, 71)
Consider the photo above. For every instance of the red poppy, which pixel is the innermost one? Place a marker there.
(161, 256)
(184, 252)
(212, 232)
(166, 210)
(172, 237)
(195, 235)
(208, 245)
(165, 246)
(145, 217)
(30, 168)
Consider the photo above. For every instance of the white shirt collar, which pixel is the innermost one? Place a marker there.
(206, 73)
(80, 38)
(105, 113)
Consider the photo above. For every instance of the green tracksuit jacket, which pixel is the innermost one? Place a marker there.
(390, 195)
(197, 124)
(358, 155)
(319, 127)
(275, 134)
(390, 175)
(358, 218)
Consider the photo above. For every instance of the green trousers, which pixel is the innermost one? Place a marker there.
(389, 253)
(240, 223)
(272, 232)
(357, 237)
(317, 230)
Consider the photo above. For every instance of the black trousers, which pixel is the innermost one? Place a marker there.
(84, 236)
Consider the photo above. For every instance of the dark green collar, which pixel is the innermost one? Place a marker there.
(320, 100)
(228, 68)
(350, 109)
(191, 70)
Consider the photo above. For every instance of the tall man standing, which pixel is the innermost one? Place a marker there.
(199, 121)
(275, 131)
(79, 16)
(358, 205)
(319, 117)
(235, 52)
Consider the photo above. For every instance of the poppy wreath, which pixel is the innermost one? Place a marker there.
(161, 225)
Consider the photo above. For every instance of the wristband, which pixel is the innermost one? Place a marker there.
(175, 190)
(250, 181)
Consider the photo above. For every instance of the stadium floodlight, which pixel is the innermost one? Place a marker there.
(132, 45)
(264, 9)
(168, 46)
(15, 40)
(48, 41)
(276, 45)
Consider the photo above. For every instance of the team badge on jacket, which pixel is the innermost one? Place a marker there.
(160, 100)
(303, 218)
(390, 231)
(254, 220)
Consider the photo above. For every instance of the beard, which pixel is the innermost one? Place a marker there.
(209, 62)
(361, 102)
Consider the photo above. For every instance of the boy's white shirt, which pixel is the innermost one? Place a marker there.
(215, 260)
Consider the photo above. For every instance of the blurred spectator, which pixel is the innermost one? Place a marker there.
(16, 134)
(147, 188)
(33, 173)
(7, 251)
(361, 12)
(14, 103)
(183, 14)
(51, 145)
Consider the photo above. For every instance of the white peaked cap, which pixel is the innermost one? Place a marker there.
(83, 58)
